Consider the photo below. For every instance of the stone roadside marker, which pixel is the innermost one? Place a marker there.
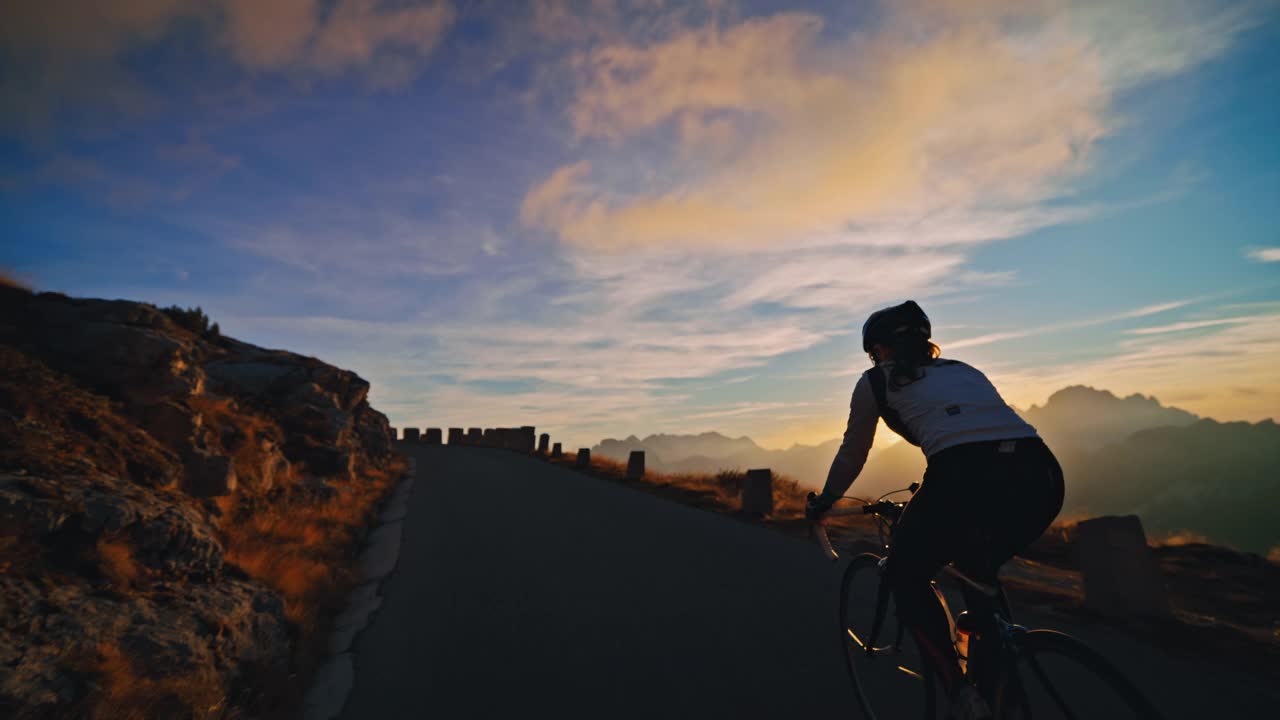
(411, 434)
(757, 492)
(556, 452)
(584, 458)
(1121, 578)
(635, 465)
(455, 436)
(544, 440)
(433, 437)
(475, 436)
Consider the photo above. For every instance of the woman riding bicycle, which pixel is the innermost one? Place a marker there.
(991, 488)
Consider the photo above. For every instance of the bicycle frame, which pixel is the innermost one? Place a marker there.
(1007, 631)
(998, 669)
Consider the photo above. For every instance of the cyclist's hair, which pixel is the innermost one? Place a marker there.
(910, 353)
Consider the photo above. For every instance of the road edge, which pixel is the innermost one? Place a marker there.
(335, 679)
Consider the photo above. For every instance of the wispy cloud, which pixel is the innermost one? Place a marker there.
(1189, 325)
(1240, 351)
(65, 58)
(781, 132)
(1266, 255)
(1139, 312)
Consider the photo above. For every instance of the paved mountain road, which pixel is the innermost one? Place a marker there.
(525, 589)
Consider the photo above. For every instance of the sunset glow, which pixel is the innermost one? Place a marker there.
(607, 218)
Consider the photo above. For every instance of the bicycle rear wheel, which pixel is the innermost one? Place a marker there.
(1053, 675)
(892, 681)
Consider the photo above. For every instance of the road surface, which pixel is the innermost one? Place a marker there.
(526, 589)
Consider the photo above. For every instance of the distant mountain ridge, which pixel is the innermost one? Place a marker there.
(711, 451)
(1220, 480)
(1178, 471)
(1079, 417)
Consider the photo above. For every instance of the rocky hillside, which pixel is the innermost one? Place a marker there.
(135, 445)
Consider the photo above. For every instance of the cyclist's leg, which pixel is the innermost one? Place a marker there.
(1022, 494)
(921, 545)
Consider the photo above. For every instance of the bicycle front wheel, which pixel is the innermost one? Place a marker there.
(1053, 675)
(884, 662)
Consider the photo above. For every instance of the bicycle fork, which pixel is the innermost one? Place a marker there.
(883, 594)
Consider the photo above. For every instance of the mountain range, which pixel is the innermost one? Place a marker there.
(1179, 472)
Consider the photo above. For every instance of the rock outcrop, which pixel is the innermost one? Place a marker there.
(124, 438)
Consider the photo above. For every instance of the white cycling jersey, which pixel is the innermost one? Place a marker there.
(951, 404)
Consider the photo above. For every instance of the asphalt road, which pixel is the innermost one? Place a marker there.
(524, 589)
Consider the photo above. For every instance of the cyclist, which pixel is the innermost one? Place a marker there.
(991, 487)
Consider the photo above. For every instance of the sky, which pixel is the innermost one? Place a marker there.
(604, 218)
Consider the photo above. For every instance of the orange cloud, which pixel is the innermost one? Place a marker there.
(777, 133)
(64, 53)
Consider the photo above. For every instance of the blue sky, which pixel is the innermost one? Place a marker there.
(609, 217)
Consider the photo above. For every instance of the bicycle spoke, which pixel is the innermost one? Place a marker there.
(1066, 671)
(1053, 691)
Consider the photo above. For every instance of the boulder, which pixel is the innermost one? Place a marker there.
(79, 510)
(1119, 572)
(172, 424)
(63, 635)
(207, 474)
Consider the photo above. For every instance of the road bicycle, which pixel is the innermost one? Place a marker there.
(1022, 673)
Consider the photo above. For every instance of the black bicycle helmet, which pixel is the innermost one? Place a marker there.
(896, 320)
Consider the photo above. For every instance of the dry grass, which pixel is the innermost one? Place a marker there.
(120, 693)
(1184, 537)
(117, 564)
(244, 431)
(721, 492)
(304, 548)
(9, 281)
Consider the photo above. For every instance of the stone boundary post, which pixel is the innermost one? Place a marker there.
(544, 440)
(475, 436)
(556, 452)
(433, 437)
(635, 465)
(1120, 574)
(455, 436)
(411, 434)
(757, 492)
(584, 458)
